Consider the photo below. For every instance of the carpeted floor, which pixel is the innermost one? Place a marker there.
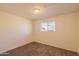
(38, 49)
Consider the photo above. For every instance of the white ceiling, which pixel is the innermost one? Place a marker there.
(46, 9)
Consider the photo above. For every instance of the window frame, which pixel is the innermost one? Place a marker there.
(51, 23)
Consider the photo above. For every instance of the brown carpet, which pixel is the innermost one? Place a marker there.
(38, 49)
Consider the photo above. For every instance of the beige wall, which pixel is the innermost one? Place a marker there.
(78, 32)
(14, 31)
(65, 35)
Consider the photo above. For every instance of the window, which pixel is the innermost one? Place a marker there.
(48, 26)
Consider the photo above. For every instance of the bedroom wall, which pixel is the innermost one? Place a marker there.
(65, 35)
(14, 31)
(78, 31)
